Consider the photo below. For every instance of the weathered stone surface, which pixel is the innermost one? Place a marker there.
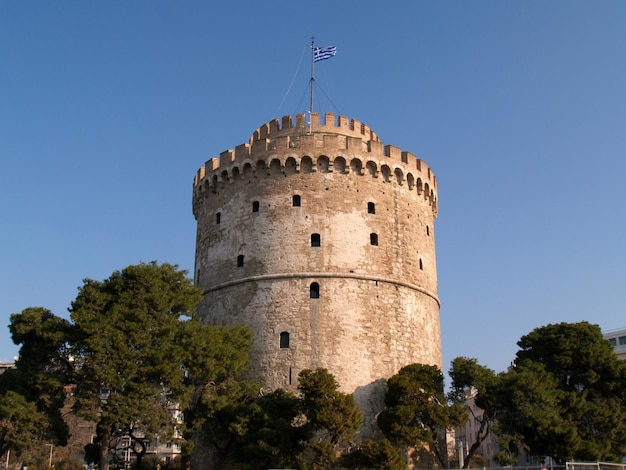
(377, 308)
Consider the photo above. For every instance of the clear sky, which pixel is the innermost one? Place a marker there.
(108, 109)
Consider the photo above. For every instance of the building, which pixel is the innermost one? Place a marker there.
(4, 366)
(321, 238)
(617, 338)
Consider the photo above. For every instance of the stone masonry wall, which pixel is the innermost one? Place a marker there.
(361, 304)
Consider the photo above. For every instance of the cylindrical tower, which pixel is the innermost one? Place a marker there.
(322, 240)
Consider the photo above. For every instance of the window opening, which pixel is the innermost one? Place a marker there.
(255, 206)
(622, 340)
(421, 264)
(314, 290)
(239, 261)
(315, 240)
(427, 230)
(218, 218)
(284, 340)
(374, 239)
(296, 200)
(371, 208)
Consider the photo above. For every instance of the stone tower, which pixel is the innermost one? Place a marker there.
(321, 238)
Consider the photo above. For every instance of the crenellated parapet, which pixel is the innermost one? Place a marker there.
(341, 145)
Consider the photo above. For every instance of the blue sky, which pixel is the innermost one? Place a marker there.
(108, 108)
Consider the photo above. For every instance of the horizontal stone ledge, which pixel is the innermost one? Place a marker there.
(321, 275)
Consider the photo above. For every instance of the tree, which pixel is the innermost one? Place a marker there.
(142, 355)
(22, 425)
(472, 381)
(43, 367)
(566, 396)
(374, 454)
(213, 357)
(271, 439)
(135, 355)
(417, 411)
(248, 429)
(332, 416)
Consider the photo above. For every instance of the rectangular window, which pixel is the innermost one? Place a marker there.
(613, 341)
(622, 340)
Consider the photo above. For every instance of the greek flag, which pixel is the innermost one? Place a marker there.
(322, 53)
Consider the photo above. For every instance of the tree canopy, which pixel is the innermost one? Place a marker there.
(565, 397)
(129, 373)
(35, 386)
(472, 381)
(134, 354)
(21, 424)
(417, 410)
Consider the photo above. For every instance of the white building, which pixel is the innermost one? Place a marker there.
(617, 338)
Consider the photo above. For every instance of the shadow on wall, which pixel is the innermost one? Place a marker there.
(370, 399)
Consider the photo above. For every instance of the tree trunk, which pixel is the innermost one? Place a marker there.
(104, 450)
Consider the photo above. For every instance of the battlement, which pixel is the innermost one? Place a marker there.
(350, 140)
(342, 125)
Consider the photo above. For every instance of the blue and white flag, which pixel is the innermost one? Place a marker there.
(322, 53)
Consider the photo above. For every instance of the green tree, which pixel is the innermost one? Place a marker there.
(332, 416)
(374, 454)
(271, 438)
(566, 396)
(248, 429)
(43, 367)
(417, 411)
(22, 425)
(127, 343)
(472, 381)
(213, 356)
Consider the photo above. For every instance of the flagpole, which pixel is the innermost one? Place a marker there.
(312, 82)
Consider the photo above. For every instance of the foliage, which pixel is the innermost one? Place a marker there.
(154, 463)
(268, 436)
(69, 464)
(129, 375)
(472, 381)
(375, 454)
(332, 419)
(417, 412)
(43, 367)
(21, 424)
(143, 356)
(566, 396)
(248, 429)
(212, 355)
(328, 411)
